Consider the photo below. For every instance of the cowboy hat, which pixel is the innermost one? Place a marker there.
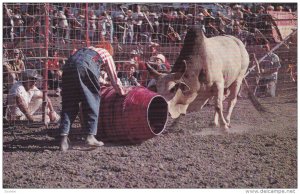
(31, 74)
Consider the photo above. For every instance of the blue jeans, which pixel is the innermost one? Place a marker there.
(80, 84)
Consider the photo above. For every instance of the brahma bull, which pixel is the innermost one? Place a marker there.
(205, 68)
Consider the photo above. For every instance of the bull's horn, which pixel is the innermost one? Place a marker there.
(180, 74)
(185, 66)
(152, 71)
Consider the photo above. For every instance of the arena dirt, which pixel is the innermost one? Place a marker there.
(260, 151)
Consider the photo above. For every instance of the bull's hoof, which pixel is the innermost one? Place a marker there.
(213, 124)
(225, 127)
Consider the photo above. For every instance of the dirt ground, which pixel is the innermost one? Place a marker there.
(260, 151)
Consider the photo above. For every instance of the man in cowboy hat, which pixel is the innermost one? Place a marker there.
(24, 99)
(158, 62)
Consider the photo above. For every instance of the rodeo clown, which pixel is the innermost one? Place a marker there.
(80, 84)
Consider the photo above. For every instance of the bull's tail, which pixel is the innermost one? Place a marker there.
(257, 105)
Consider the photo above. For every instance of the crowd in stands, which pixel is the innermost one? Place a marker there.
(131, 24)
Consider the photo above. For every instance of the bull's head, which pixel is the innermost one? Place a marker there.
(173, 88)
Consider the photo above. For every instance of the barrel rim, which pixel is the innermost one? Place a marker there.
(148, 122)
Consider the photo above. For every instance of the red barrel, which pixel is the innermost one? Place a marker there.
(134, 118)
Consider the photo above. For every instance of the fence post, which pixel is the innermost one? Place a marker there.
(45, 72)
(87, 24)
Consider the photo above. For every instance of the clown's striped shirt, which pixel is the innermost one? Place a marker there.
(110, 67)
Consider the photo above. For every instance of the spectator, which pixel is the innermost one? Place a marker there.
(107, 28)
(153, 19)
(24, 99)
(266, 25)
(156, 55)
(173, 35)
(80, 84)
(63, 26)
(245, 36)
(279, 8)
(269, 69)
(119, 26)
(17, 65)
(19, 24)
(138, 17)
(120, 70)
(128, 28)
(237, 14)
(261, 10)
(31, 62)
(209, 22)
(200, 21)
(99, 9)
(249, 18)
(92, 25)
(158, 62)
(134, 55)
(270, 8)
(75, 26)
(140, 65)
(8, 23)
(80, 16)
(131, 75)
(54, 72)
(228, 11)
(8, 76)
(220, 21)
(137, 27)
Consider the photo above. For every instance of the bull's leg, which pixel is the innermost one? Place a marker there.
(219, 104)
(216, 115)
(232, 98)
(216, 119)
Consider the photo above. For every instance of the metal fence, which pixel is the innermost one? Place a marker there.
(48, 33)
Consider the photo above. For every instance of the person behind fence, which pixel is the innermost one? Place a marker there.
(80, 85)
(12, 69)
(8, 75)
(17, 65)
(269, 69)
(24, 99)
(54, 73)
(245, 36)
(130, 77)
(158, 62)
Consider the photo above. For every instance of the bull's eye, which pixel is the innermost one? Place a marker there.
(172, 90)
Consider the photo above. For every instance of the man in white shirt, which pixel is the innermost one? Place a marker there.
(24, 99)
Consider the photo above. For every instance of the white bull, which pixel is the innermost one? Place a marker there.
(206, 67)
